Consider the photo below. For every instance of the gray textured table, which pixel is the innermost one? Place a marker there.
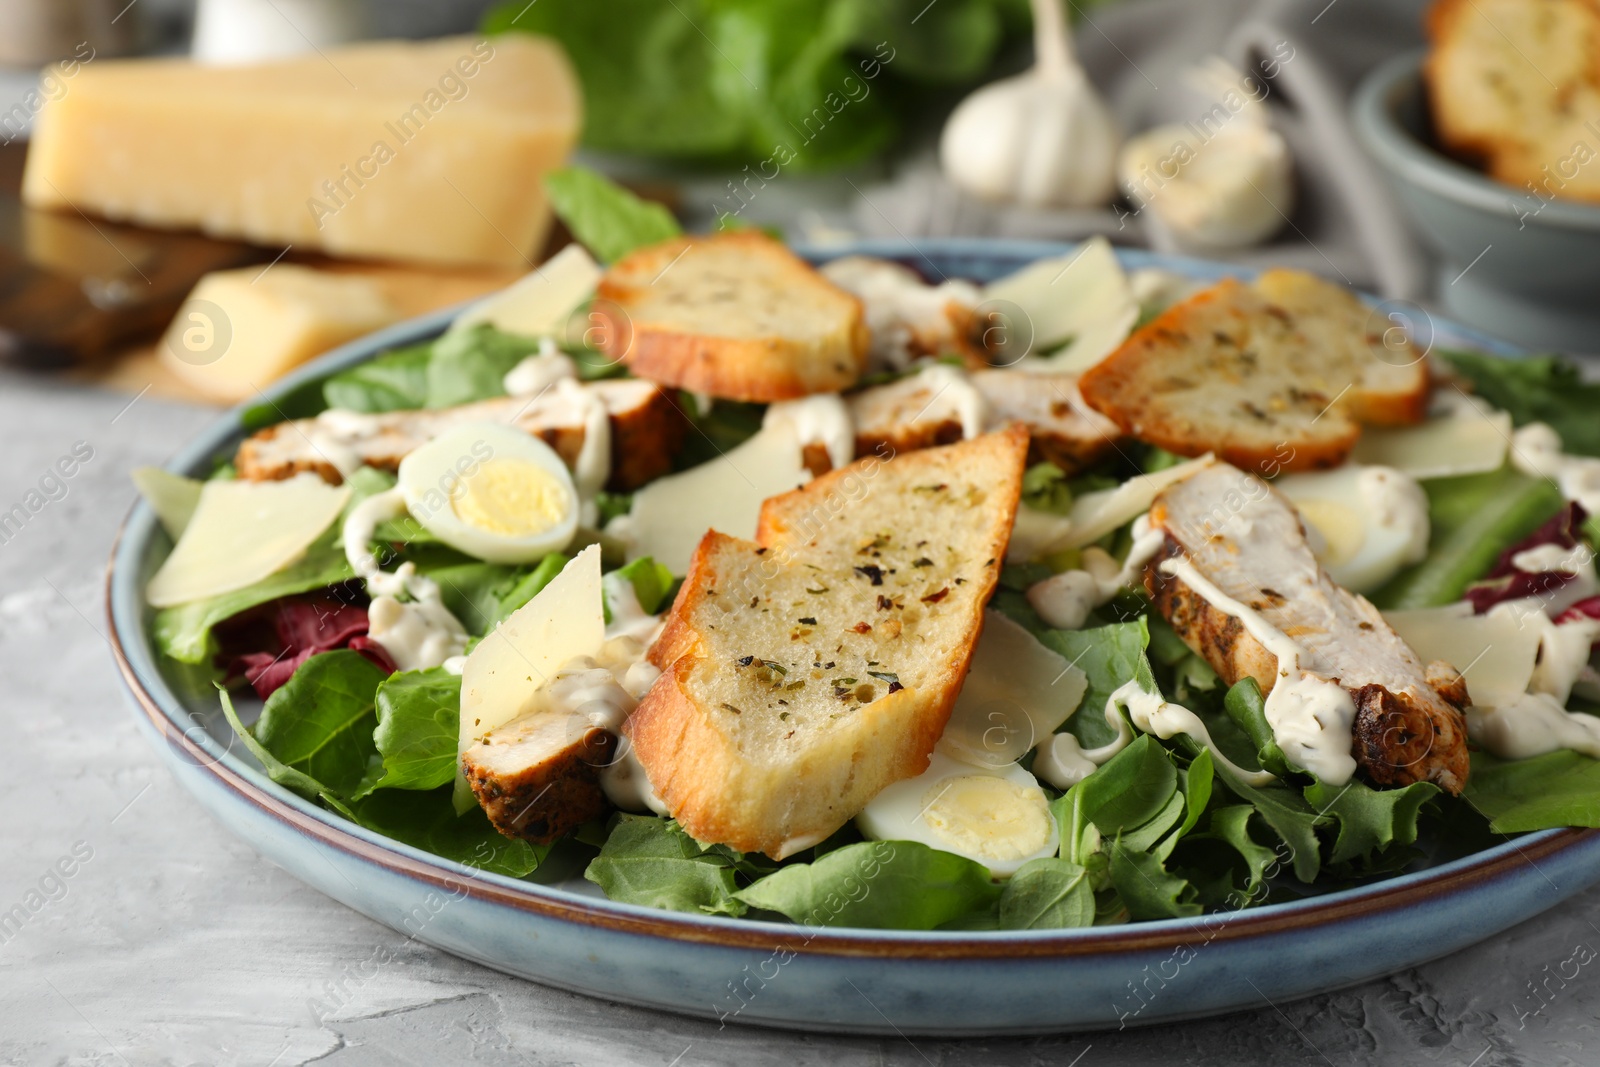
(173, 943)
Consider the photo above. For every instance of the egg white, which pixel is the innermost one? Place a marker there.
(446, 488)
(1365, 523)
(1004, 830)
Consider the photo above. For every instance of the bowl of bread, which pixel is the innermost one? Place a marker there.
(1491, 139)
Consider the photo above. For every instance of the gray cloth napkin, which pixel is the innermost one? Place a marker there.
(1345, 225)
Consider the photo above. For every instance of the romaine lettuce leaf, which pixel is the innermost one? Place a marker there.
(605, 218)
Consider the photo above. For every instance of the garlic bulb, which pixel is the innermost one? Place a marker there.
(1042, 138)
(1226, 181)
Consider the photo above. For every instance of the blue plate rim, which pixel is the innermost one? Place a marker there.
(157, 700)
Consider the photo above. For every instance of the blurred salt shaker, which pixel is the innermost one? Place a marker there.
(247, 31)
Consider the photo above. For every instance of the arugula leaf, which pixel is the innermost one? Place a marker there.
(652, 862)
(1131, 788)
(419, 714)
(1560, 788)
(1370, 819)
(320, 722)
(1047, 894)
(1231, 825)
(427, 820)
(527, 587)
(612, 504)
(881, 885)
(605, 218)
(397, 380)
(1147, 889)
(1142, 838)
(1197, 781)
(1473, 518)
(276, 769)
(1248, 709)
(473, 591)
(1289, 816)
(472, 364)
(1547, 389)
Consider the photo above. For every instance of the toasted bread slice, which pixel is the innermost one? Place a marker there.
(910, 414)
(538, 776)
(1275, 375)
(804, 674)
(1244, 538)
(646, 427)
(733, 315)
(1512, 85)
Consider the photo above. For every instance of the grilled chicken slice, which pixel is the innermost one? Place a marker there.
(646, 429)
(538, 776)
(1245, 540)
(918, 412)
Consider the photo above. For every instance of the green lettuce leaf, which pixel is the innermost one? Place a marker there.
(1147, 889)
(395, 381)
(651, 582)
(650, 861)
(427, 820)
(277, 770)
(1560, 788)
(528, 585)
(605, 218)
(1131, 788)
(1047, 894)
(419, 715)
(1546, 389)
(1474, 518)
(1370, 820)
(472, 364)
(1110, 656)
(321, 721)
(880, 885)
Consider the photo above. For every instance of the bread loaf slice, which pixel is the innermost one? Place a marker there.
(805, 673)
(646, 428)
(1273, 375)
(1514, 85)
(734, 315)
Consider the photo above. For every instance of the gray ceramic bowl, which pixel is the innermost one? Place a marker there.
(1518, 266)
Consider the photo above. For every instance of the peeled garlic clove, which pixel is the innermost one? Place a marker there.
(1034, 140)
(1230, 189)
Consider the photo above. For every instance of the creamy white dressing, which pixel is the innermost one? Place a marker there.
(1536, 451)
(821, 419)
(1534, 724)
(1396, 502)
(628, 617)
(417, 632)
(1064, 762)
(1065, 600)
(538, 372)
(340, 455)
(1544, 558)
(1311, 716)
(955, 390)
(594, 458)
(626, 784)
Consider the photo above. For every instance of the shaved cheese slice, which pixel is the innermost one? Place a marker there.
(672, 514)
(1083, 298)
(1037, 533)
(1017, 693)
(1494, 652)
(171, 496)
(1439, 448)
(1094, 515)
(538, 304)
(241, 532)
(564, 620)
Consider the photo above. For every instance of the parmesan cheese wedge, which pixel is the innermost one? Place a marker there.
(672, 514)
(1094, 515)
(1494, 652)
(171, 496)
(502, 674)
(1081, 300)
(539, 304)
(241, 532)
(1467, 443)
(1017, 693)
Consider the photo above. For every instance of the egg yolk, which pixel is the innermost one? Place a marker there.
(510, 497)
(1341, 527)
(991, 818)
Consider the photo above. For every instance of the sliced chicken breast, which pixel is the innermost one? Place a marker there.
(1236, 578)
(538, 776)
(646, 429)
